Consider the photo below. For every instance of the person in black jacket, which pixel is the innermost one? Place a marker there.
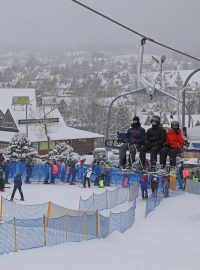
(155, 137)
(17, 185)
(135, 139)
(29, 169)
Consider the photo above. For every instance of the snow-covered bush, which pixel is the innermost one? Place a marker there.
(20, 148)
(63, 151)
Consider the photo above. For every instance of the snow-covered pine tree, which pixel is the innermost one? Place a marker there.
(62, 151)
(20, 148)
(120, 120)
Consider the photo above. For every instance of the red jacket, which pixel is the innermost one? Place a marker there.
(175, 140)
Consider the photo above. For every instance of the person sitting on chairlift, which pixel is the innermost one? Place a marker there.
(172, 146)
(134, 140)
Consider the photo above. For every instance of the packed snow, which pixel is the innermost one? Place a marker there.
(167, 239)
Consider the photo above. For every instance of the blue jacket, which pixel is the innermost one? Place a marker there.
(136, 135)
(18, 181)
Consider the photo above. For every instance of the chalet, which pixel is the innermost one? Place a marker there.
(19, 113)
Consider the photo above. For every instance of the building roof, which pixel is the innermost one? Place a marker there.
(56, 131)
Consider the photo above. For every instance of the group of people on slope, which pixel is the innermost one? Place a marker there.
(155, 140)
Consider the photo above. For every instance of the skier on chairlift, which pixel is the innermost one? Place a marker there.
(134, 140)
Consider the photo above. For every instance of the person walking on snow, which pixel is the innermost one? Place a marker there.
(17, 185)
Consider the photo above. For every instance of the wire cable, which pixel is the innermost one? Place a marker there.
(133, 31)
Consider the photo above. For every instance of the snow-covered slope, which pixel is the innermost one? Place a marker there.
(168, 239)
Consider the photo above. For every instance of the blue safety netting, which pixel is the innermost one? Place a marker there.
(153, 202)
(6, 238)
(109, 198)
(40, 171)
(193, 187)
(22, 211)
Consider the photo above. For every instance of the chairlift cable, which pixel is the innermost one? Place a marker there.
(133, 31)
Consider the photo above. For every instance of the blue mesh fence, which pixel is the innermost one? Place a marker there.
(152, 203)
(76, 227)
(112, 198)
(109, 199)
(30, 233)
(193, 187)
(100, 201)
(39, 172)
(6, 238)
(123, 195)
(127, 219)
(25, 233)
(19, 211)
(56, 231)
(115, 222)
(104, 224)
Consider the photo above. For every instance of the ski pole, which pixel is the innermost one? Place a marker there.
(130, 155)
(139, 156)
(8, 195)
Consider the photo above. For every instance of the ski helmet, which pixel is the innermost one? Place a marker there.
(174, 124)
(155, 118)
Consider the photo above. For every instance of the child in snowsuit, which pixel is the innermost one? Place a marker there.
(17, 185)
(154, 187)
(102, 180)
(144, 186)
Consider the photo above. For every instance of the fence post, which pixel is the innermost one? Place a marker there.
(93, 201)
(48, 213)
(45, 231)
(79, 205)
(109, 224)
(1, 209)
(15, 234)
(66, 230)
(129, 193)
(85, 226)
(97, 224)
(106, 199)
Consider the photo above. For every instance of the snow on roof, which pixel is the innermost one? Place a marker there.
(7, 95)
(56, 131)
(172, 75)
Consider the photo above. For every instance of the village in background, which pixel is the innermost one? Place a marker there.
(64, 97)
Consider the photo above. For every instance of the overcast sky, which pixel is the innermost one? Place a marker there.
(59, 23)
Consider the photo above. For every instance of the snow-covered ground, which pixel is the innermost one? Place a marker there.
(168, 239)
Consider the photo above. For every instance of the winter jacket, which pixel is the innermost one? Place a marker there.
(175, 140)
(28, 169)
(144, 182)
(136, 135)
(54, 169)
(18, 181)
(156, 135)
(186, 173)
(154, 185)
(88, 173)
